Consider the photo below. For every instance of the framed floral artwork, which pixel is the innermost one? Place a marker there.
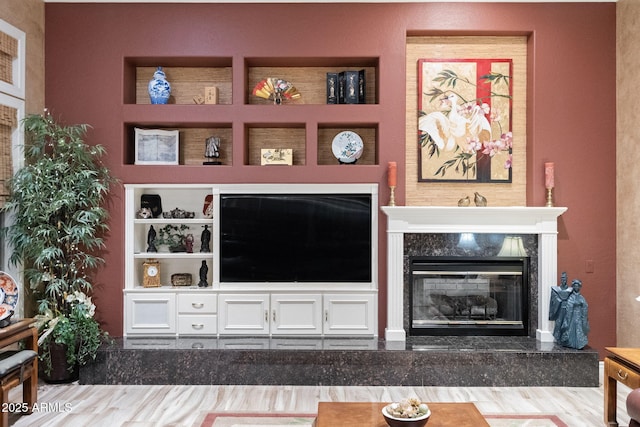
(464, 123)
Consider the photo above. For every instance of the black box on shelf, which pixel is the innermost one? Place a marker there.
(351, 87)
(332, 88)
(362, 89)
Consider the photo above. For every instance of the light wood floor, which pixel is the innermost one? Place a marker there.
(142, 406)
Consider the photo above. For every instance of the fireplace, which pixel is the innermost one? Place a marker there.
(468, 296)
(540, 223)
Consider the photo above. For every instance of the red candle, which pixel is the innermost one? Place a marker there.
(548, 175)
(392, 174)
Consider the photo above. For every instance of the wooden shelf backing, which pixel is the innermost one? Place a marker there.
(275, 137)
(369, 137)
(187, 83)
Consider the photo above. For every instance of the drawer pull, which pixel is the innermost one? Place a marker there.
(622, 374)
(197, 326)
(197, 305)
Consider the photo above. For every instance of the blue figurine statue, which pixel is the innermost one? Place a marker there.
(570, 311)
(558, 304)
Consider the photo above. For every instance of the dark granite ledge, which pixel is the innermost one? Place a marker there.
(424, 361)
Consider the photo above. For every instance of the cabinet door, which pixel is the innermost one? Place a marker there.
(349, 314)
(150, 313)
(296, 314)
(243, 314)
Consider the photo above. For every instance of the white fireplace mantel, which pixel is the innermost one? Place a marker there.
(542, 221)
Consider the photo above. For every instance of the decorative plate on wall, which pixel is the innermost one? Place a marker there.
(8, 295)
(347, 146)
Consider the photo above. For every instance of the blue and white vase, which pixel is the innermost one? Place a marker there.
(159, 88)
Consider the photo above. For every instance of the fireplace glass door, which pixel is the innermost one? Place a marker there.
(469, 296)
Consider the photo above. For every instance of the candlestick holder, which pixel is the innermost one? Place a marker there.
(392, 196)
(549, 197)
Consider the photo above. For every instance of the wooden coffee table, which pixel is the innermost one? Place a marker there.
(365, 414)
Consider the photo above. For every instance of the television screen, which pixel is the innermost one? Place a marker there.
(295, 238)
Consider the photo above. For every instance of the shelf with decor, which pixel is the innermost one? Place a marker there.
(262, 140)
(252, 285)
(192, 142)
(188, 76)
(246, 122)
(332, 139)
(309, 77)
(166, 229)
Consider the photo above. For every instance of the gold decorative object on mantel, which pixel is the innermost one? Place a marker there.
(479, 199)
(465, 201)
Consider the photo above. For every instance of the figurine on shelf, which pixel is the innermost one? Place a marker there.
(212, 151)
(204, 270)
(151, 240)
(205, 238)
(188, 243)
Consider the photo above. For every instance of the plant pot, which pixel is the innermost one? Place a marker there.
(60, 372)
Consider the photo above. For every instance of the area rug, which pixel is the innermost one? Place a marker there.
(257, 420)
(222, 419)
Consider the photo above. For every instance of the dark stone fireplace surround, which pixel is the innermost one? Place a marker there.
(410, 361)
(446, 245)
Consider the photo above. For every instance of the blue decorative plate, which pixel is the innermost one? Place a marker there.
(347, 146)
(8, 295)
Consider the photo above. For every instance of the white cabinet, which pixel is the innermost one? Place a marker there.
(349, 314)
(275, 314)
(242, 314)
(231, 310)
(197, 314)
(296, 314)
(168, 309)
(150, 313)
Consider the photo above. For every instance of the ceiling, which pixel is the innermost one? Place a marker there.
(329, 1)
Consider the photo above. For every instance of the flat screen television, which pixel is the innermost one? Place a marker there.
(296, 238)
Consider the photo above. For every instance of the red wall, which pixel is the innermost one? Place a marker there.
(571, 103)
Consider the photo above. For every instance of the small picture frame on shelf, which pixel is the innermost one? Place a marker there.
(276, 156)
(157, 147)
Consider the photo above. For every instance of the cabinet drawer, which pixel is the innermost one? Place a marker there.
(197, 303)
(198, 324)
(623, 374)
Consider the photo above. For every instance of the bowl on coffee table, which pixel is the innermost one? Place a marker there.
(396, 415)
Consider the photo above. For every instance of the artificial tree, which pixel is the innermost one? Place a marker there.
(58, 220)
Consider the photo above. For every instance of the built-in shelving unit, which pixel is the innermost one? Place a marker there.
(244, 122)
(256, 308)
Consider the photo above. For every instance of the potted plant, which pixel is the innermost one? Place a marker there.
(174, 237)
(56, 232)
